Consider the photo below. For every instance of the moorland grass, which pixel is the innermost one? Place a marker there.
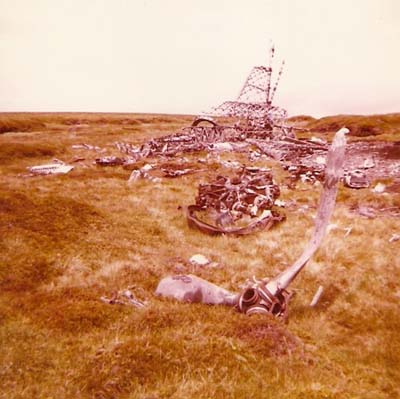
(370, 127)
(68, 240)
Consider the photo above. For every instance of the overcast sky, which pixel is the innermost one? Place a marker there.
(185, 56)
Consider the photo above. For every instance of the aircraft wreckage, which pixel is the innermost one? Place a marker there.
(267, 296)
(240, 203)
(250, 194)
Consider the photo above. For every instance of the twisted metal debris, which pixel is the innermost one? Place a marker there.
(270, 296)
(253, 113)
(251, 192)
(253, 108)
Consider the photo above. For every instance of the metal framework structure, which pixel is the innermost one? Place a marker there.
(254, 103)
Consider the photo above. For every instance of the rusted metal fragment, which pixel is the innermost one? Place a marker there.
(192, 289)
(289, 149)
(133, 151)
(368, 163)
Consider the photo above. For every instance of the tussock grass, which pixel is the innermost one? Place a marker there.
(68, 240)
(383, 127)
(20, 123)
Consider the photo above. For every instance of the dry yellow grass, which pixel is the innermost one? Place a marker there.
(385, 127)
(68, 240)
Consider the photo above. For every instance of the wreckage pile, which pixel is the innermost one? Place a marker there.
(253, 113)
(266, 296)
(249, 195)
(188, 140)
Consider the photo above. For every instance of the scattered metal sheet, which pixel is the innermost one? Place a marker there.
(50, 169)
(154, 172)
(305, 173)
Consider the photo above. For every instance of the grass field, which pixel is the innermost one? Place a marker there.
(67, 240)
(369, 127)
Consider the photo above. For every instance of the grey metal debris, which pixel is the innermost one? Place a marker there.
(192, 289)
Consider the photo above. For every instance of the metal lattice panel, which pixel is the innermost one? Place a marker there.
(254, 103)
